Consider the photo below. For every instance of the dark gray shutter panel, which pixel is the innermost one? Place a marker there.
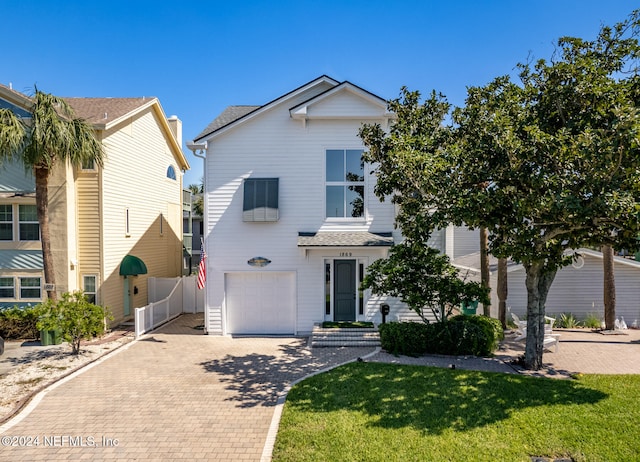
(260, 201)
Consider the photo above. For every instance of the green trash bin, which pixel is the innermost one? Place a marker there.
(470, 308)
(50, 337)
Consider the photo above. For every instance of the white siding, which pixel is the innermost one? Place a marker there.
(580, 291)
(343, 104)
(465, 241)
(274, 145)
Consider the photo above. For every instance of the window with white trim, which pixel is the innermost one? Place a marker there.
(344, 189)
(30, 288)
(6, 222)
(7, 287)
(28, 225)
(89, 288)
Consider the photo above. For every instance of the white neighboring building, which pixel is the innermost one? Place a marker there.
(291, 219)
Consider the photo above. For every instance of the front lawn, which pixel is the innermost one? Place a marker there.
(387, 412)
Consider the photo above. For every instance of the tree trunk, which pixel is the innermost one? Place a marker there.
(609, 287)
(42, 205)
(484, 266)
(502, 291)
(538, 282)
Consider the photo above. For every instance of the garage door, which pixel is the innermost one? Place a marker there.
(260, 303)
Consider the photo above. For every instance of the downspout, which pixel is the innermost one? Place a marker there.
(200, 151)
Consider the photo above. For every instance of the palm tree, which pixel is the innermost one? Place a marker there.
(197, 191)
(52, 136)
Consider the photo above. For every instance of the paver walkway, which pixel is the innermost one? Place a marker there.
(585, 351)
(175, 395)
(580, 351)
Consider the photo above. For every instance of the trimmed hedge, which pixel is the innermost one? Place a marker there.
(461, 335)
(19, 323)
(404, 338)
(491, 327)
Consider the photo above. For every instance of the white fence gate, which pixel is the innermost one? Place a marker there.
(169, 298)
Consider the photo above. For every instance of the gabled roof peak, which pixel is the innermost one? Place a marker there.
(236, 114)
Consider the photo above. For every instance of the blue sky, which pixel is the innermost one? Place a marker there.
(199, 57)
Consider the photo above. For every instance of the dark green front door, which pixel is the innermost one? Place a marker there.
(344, 290)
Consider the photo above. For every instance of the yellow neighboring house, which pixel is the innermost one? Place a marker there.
(112, 227)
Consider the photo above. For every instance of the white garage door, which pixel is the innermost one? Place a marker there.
(260, 303)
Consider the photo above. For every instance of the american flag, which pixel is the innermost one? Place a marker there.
(202, 267)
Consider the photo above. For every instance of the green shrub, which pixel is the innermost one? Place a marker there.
(75, 317)
(491, 327)
(405, 338)
(593, 321)
(19, 323)
(568, 321)
(461, 335)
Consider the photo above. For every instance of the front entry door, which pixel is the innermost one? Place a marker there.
(344, 290)
(127, 296)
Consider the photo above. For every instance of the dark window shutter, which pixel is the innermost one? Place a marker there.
(260, 201)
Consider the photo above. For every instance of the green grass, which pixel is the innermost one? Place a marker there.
(386, 412)
(346, 324)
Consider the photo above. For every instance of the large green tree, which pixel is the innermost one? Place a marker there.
(52, 136)
(548, 164)
(424, 279)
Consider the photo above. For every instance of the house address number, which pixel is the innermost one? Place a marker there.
(345, 254)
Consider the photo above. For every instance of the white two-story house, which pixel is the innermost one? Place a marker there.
(291, 219)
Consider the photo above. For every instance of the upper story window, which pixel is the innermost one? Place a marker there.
(260, 201)
(89, 164)
(344, 183)
(6, 222)
(28, 223)
(127, 222)
(171, 172)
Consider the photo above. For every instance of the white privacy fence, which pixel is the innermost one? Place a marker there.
(169, 298)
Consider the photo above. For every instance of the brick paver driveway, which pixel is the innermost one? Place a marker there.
(175, 395)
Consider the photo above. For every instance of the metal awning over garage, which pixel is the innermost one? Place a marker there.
(344, 239)
(21, 259)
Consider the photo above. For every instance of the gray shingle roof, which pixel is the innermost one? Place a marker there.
(230, 114)
(345, 239)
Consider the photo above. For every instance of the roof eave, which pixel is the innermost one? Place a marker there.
(155, 104)
(266, 107)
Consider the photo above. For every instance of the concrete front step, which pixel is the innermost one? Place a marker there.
(339, 337)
